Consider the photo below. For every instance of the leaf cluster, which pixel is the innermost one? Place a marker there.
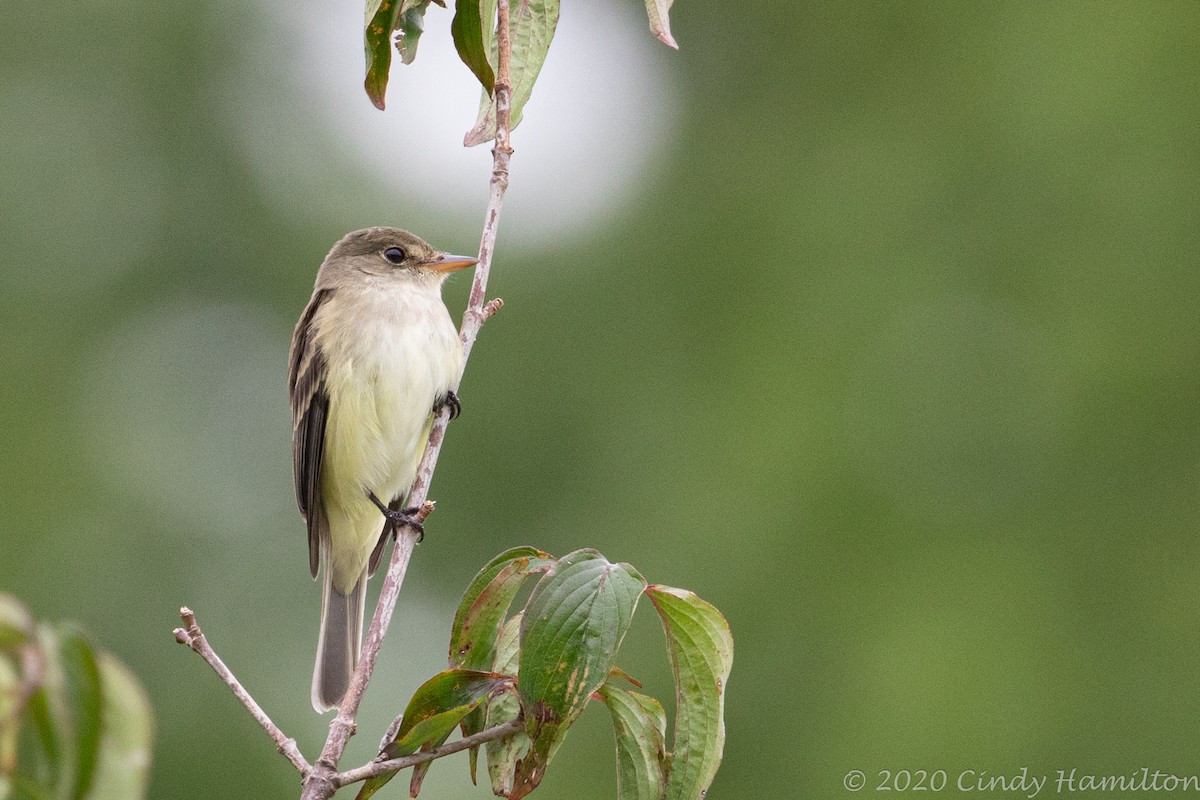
(74, 722)
(543, 665)
(531, 28)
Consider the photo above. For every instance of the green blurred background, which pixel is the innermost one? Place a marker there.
(875, 324)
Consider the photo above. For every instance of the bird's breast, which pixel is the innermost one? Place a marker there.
(389, 356)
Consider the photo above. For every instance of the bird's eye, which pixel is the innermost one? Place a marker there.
(395, 255)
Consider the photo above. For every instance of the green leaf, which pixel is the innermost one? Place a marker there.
(432, 714)
(481, 613)
(573, 625)
(411, 26)
(502, 753)
(508, 647)
(85, 731)
(473, 38)
(531, 28)
(373, 8)
(700, 647)
(385, 17)
(640, 725)
(660, 22)
(84, 698)
(485, 603)
(123, 767)
(380, 25)
(48, 736)
(449, 694)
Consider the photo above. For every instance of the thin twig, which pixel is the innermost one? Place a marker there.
(396, 764)
(323, 780)
(193, 637)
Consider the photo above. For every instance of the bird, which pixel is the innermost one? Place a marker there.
(373, 359)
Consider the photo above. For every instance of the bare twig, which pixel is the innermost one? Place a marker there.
(493, 305)
(193, 637)
(323, 780)
(394, 765)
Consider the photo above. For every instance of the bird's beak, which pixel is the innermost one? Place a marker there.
(448, 263)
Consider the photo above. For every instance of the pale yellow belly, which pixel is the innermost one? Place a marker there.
(381, 391)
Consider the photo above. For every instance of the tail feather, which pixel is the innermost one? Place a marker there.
(339, 642)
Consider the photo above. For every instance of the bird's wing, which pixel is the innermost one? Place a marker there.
(310, 408)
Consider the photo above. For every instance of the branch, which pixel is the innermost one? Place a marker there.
(193, 637)
(324, 779)
(396, 764)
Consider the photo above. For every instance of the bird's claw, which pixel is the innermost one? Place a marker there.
(449, 400)
(398, 517)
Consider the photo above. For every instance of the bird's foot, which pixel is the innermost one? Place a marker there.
(397, 517)
(448, 400)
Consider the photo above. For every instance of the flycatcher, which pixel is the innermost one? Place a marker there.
(373, 358)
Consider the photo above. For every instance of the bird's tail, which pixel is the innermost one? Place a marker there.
(339, 642)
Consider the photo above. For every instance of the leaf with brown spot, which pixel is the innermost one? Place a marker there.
(572, 628)
(385, 17)
(485, 604)
(481, 614)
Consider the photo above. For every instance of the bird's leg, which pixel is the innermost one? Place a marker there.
(449, 399)
(399, 516)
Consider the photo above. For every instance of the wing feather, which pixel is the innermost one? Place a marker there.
(310, 410)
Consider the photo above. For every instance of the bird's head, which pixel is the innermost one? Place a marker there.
(390, 253)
